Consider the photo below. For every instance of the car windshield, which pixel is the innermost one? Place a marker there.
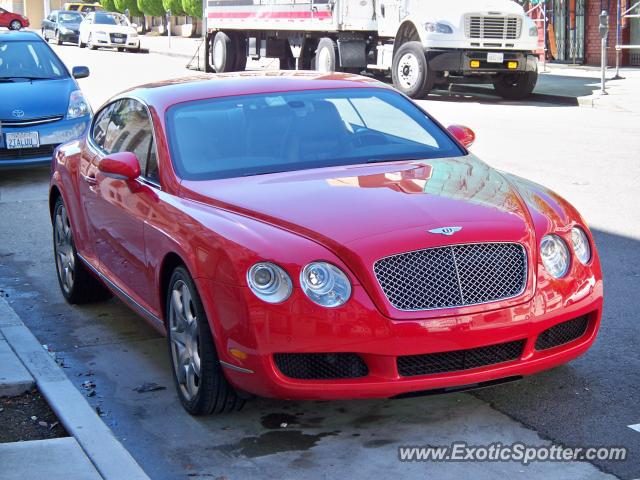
(110, 19)
(31, 60)
(277, 132)
(69, 17)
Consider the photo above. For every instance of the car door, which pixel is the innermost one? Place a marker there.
(123, 206)
(50, 25)
(4, 18)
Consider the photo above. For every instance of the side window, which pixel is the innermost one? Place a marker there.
(130, 130)
(101, 124)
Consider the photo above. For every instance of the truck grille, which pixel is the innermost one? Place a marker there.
(453, 276)
(493, 27)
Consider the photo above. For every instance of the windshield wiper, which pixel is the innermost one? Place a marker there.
(394, 159)
(16, 77)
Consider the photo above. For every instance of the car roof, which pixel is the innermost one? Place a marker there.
(164, 94)
(18, 36)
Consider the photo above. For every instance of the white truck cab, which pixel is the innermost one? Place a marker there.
(421, 43)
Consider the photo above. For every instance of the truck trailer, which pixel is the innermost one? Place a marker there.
(420, 43)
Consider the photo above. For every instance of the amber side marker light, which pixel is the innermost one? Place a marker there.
(239, 354)
(512, 65)
(475, 64)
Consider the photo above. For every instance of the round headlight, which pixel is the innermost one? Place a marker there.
(580, 244)
(325, 284)
(555, 255)
(269, 282)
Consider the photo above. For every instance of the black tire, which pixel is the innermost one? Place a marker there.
(121, 49)
(223, 53)
(80, 44)
(90, 44)
(84, 287)
(240, 47)
(516, 86)
(326, 56)
(410, 71)
(287, 62)
(214, 393)
(15, 25)
(57, 38)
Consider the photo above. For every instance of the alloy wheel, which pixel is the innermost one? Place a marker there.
(15, 25)
(64, 251)
(184, 339)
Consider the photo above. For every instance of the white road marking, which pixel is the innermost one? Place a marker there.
(635, 427)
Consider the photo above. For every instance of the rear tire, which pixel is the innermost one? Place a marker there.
(58, 39)
(516, 86)
(90, 44)
(15, 25)
(199, 379)
(240, 42)
(410, 71)
(223, 53)
(77, 284)
(326, 60)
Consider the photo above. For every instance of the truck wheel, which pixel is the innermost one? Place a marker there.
(223, 53)
(326, 56)
(516, 86)
(410, 71)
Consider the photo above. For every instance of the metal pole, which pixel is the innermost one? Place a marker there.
(603, 54)
(618, 38)
(544, 36)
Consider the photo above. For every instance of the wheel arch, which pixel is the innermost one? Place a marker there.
(170, 262)
(407, 32)
(54, 194)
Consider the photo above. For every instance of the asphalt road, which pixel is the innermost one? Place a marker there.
(588, 156)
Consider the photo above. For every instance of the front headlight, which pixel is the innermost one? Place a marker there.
(269, 282)
(78, 106)
(580, 244)
(437, 27)
(533, 32)
(133, 34)
(325, 284)
(555, 255)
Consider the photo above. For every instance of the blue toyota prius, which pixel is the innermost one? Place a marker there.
(41, 105)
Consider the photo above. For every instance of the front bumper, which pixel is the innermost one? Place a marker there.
(69, 37)
(107, 42)
(261, 332)
(50, 136)
(460, 61)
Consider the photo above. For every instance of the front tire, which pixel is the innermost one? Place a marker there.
(410, 71)
(516, 86)
(58, 39)
(223, 53)
(326, 56)
(77, 284)
(199, 379)
(90, 44)
(15, 25)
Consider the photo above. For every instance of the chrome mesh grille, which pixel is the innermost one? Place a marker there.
(493, 27)
(453, 276)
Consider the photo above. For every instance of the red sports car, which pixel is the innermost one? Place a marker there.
(13, 21)
(318, 237)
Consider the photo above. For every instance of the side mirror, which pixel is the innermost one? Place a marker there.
(80, 72)
(463, 134)
(121, 166)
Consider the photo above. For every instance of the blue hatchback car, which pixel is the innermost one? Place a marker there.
(41, 105)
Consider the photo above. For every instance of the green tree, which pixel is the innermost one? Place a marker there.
(193, 8)
(109, 5)
(175, 6)
(152, 8)
(132, 5)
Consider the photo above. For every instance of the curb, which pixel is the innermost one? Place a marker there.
(107, 454)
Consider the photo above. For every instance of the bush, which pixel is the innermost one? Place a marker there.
(193, 8)
(132, 5)
(174, 5)
(109, 5)
(152, 8)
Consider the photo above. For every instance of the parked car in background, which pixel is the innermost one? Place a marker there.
(108, 29)
(314, 236)
(42, 105)
(83, 7)
(13, 21)
(62, 26)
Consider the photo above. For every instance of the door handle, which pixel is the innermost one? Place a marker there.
(90, 179)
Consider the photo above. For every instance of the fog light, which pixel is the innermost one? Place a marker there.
(475, 64)
(512, 65)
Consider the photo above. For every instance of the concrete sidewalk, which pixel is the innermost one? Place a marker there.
(92, 453)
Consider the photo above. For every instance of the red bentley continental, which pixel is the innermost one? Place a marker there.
(307, 236)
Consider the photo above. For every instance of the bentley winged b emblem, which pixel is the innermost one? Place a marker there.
(448, 231)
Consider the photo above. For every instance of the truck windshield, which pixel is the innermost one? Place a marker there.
(277, 132)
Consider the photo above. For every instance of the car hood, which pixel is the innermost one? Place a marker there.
(99, 27)
(345, 205)
(36, 99)
(70, 26)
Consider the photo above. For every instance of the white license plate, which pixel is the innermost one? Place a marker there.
(493, 57)
(23, 140)
(118, 40)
